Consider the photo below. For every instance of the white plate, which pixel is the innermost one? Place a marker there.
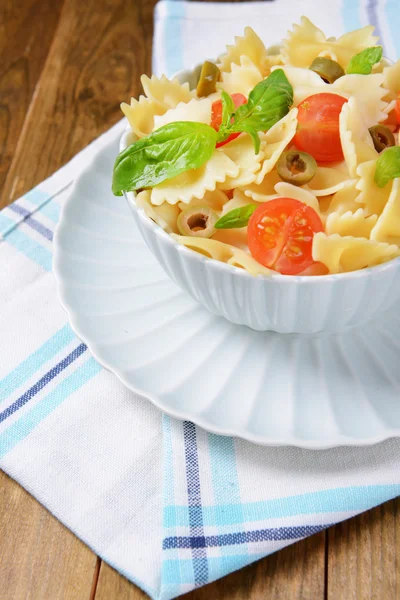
(314, 391)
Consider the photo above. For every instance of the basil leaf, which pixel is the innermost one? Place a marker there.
(269, 101)
(387, 166)
(165, 153)
(362, 63)
(238, 217)
(228, 107)
(248, 128)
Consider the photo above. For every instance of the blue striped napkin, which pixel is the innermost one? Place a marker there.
(175, 515)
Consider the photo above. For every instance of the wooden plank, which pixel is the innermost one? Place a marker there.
(112, 585)
(26, 32)
(39, 558)
(364, 556)
(295, 573)
(100, 50)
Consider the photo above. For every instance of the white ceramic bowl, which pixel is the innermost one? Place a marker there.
(282, 303)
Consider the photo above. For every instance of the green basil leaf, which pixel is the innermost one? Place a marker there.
(165, 153)
(387, 166)
(269, 101)
(238, 217)
(362, 63)
(228, 108)
(248, 128)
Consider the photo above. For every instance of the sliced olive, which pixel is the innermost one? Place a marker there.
(197, 221)
(209, 76)
(382, 137)
(329, 70)
(296, 167)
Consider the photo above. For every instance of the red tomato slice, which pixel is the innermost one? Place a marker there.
(392, 121)
(216, 116)
(280, 235)
(397, 109)
(318, 128)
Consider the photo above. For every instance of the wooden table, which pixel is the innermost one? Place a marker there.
(64, 67)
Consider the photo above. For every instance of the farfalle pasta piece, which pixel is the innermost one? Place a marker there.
(274, 142)
(224, 253)
(345, 199)
(392, 78)
(305, 42)
(215, 199)
(260, 192)
(141, 114)
(161, 94)
(241, 79)
(369, 91)
(195, 110)
(356, 140)
(241, 152)
(196, 182)
(327, 181)
(168, 92)
(248, 45)
(370, 196)
(387, 228)
(355, 224)
(343, 254)
(164, 215)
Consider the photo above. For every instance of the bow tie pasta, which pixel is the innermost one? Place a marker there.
(282, 159)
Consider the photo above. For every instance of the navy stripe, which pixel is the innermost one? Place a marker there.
(32, 222)
(371, 8)
(243, 537)
(199, 553)
(39, 385)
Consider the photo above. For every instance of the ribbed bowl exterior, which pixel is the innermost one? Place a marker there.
(286, 304)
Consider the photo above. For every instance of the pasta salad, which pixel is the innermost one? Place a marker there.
(283, 159)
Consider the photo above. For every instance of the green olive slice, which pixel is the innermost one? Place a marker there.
(329, 70)
(382, 137)
(296, 167)
(209, 76)
(197, 221)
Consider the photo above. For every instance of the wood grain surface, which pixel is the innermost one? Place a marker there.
(64, 67)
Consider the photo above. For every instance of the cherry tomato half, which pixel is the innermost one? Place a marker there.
(397, 109)
(216, 116)
(280, 234)
(318, 128)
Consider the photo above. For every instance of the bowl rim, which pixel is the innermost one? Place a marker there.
(219, 265)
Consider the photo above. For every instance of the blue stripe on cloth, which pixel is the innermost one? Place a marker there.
(180, 571)
(6, 224)
(393, 19)
(343, 499)
(351, 15)
(199, 553)
(225, 484)
(52, 211)
(276, 534)
(31, 419)
(37, 196)
(173, 26)
(32, 222)
(25, 370)
(43, 381)
(30, 248)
